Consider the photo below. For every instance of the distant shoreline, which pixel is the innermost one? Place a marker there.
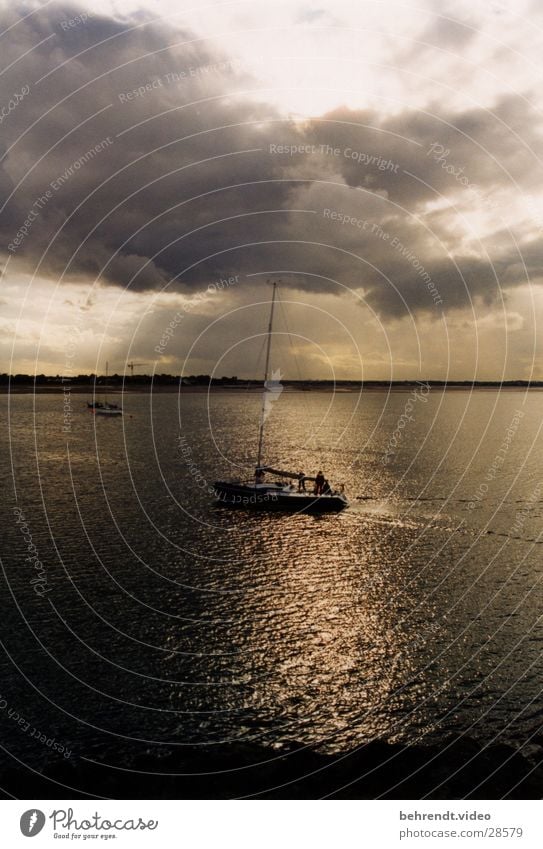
(252, 387)
(242, 390)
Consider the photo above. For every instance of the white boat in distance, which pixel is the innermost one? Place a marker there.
(104, 408)
(279, 493)
(108, 410)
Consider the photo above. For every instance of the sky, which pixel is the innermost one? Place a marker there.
(163, 162)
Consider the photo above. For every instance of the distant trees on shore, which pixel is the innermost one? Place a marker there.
(115, 380)
(59, 380)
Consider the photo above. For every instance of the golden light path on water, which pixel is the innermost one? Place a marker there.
(411, 616)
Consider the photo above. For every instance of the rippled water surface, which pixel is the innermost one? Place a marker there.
(168, 620)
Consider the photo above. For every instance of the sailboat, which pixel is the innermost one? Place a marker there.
(104, 408)
(274, 489)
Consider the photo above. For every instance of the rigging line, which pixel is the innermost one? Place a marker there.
(260, 358)
(283, 313)
(266, 375)
(311, 437)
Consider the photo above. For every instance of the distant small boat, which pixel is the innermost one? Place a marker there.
(104, 408)
(280, 493)
(108, 410)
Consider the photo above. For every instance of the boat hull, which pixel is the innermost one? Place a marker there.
(278, 498)
(101, 411)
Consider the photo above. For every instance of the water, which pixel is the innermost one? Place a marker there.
(162, 620)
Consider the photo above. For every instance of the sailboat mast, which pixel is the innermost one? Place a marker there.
(266, 371)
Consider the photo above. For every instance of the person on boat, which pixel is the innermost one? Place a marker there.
(259, 476)
(319, 483)
(326, 488)
(301, 482)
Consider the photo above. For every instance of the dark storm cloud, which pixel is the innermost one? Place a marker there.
(436, 152)
(133, 146)
(145, 157)
(480, 161)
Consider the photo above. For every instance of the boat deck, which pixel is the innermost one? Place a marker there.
(277, 496)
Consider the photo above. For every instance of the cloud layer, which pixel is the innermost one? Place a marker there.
(143, 156)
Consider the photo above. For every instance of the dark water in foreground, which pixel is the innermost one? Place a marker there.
(169, 621)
